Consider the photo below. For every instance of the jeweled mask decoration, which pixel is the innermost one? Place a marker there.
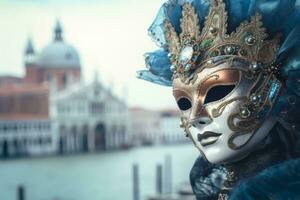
(225, 84)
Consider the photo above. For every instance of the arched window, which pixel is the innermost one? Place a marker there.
(100, 137)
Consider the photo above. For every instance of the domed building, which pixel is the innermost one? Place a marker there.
(58, 62)
(51, 111)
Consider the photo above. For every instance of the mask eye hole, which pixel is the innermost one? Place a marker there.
(218, 92)
(184, 103)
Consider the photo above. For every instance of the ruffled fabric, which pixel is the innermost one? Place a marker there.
(158, 65)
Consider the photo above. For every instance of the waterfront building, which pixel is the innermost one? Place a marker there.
(156, 127)
(25, 123)
(145, 126)
(50, 110)
(90, 118)
(170, 129)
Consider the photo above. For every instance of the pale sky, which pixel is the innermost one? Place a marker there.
(110, 36)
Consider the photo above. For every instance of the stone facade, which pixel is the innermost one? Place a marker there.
(90, 118)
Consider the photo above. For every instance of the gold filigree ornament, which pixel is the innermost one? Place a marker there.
(192, 47)
(253, 111)
(185, 125)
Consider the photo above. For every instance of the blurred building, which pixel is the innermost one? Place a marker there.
(156, 127)
(25, 123)
(145, 126)
(50, 110)
(89, 118)
(170, 129)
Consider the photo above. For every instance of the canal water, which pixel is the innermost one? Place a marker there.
(104, 176)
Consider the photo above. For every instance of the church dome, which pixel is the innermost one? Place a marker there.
(59, 54)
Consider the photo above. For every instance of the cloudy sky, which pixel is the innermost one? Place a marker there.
(110, 36)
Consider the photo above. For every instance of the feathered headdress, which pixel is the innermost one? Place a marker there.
(277, 17)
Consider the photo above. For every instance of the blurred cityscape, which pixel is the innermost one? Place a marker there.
(50, 113)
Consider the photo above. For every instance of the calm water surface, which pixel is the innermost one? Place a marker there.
(106, 176)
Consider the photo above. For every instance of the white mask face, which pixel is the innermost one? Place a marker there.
(226, 109)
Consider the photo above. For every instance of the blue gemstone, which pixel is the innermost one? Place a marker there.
(274, 90)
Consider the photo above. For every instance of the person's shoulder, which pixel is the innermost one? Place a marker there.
(281, 181)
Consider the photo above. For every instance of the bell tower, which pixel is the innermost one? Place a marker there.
(29, 53)
(31, 70)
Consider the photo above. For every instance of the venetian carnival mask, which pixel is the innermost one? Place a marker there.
(224, 84)
(231, 84)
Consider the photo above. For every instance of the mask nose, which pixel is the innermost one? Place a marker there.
(200, 118)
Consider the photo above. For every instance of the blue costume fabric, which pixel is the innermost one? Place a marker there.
(279, 178)
(207, 179)
(275, 174)
(277, 182)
